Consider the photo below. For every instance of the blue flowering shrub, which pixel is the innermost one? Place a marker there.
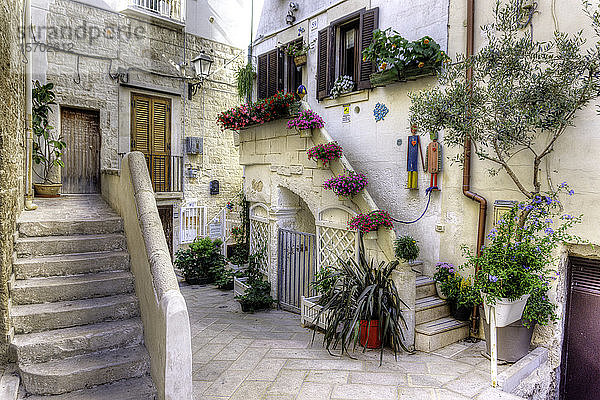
(519, 254)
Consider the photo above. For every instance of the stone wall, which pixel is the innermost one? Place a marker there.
(12, 125)
(85, 69)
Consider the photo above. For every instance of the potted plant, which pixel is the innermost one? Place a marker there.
(47, 147)
(346, 185)
(443, 273)
(406, 248)
(343, 84)
(257, 113)
(305, 122)
(368, 224)
(244, 77)
(199, 262)
(397, 59)
(257, 296)
(299, 51)
(323, 154)
(461, 296)
(363, 297)
(321, 286)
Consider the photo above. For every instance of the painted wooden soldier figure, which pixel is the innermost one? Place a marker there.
(412, 158)
(433, 161)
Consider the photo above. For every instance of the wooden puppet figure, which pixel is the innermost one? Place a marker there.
(412, 158)
(434, 160)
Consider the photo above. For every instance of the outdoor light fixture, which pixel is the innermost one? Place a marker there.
(201, 65)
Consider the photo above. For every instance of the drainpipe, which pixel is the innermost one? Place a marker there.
(27, 26)
(467, 158)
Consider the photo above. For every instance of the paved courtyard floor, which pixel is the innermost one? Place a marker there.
(268, 355)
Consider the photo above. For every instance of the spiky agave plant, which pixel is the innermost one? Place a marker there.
(362, 291)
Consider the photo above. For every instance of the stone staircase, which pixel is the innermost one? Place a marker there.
(435, 328)
(78, 334)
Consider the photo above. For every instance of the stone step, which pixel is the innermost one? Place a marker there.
(70, 227)
(9, 386)
(127, 389)
(68, 342)
(425, 287)
(417, 266)
(430, 308)
(85, 371)
(48, 245)
(75, 287)
(71, 264)
(441, 332)
(46, 316)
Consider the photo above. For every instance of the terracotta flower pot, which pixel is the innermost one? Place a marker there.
(369, 335)
(47, 189)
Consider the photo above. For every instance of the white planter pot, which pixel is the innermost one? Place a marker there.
(309, 309)
(507, 311)
(239, 286)
(438, 289)
(371, 235)
(305, 133)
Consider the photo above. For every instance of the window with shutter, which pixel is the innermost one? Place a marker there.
(344, 56)
(270, 73)
(151, 134)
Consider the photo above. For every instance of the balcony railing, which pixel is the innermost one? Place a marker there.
(166, 172)
(173, 9)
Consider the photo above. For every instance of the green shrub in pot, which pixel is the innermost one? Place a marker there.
(258, 295)
(406, 248)
(199, 262)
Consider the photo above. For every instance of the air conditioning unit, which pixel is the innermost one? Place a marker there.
(194, 145)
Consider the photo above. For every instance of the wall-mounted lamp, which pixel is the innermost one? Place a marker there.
(201, 65)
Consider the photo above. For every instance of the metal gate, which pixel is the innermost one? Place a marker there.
(581, 346)
(296, 267)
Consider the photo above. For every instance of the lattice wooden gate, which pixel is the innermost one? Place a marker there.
(334, 240)
(260, 234)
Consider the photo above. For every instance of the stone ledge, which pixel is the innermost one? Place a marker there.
(496, 394)
(352, 97)
(516, 373)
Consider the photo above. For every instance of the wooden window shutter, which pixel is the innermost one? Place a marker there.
(262, 77)
(161, 144)
(322, 63)
(369, 21)
(273, 76)
(140, 121)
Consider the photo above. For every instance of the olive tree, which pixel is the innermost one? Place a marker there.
(523, 96)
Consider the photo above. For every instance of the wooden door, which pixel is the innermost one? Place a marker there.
(581, 346)
(151, 134)
(166, 218)
(80, 130)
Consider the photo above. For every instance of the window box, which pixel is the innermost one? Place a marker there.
(392, 75)
(309, 309)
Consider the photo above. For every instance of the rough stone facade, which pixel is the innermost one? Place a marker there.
(148, 55)
(12, 125)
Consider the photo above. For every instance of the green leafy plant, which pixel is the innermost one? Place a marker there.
(519, 252)
(47, 147)
(443, 272)
(223, 277)
(461, 291)
(200, 261)
(295, 49)
(244, 77)
(406, 248)
(324, 280)
(363, 291)
(258, 295)
(539, 309)
(523, 96)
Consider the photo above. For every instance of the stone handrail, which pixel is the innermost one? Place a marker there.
(163, 309)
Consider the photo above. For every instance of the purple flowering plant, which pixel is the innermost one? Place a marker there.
(306, 119)
(519, 254)
(325, 152)
(346, 185)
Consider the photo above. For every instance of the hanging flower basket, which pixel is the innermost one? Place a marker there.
(369, 223)
(307, 119)
(507, 311)
(300, 60)
(323, 154)
(346, 185)
(371, 235)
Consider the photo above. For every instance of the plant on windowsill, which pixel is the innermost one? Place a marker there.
(258, 294)
(515, 263)
(368, 224)
(299, 51)
(397, 59)
(305, 122)
(201, 261)
(343, 84)
(323, 154)
(406, 248)
(346, 186)
(362, 307)
(257, 113)
(47, 147)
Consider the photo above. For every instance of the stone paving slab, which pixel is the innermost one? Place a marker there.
(269, 356)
